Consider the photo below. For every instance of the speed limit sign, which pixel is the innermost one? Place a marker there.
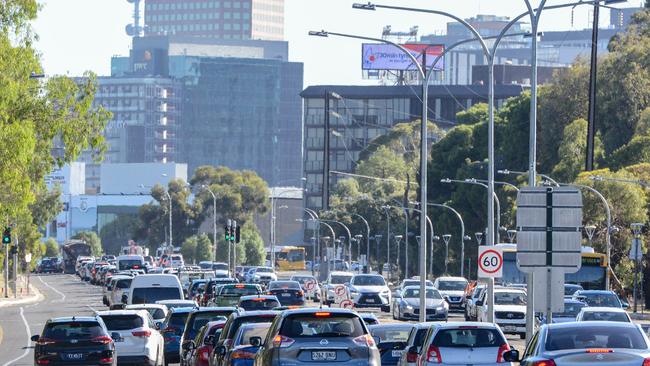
(490, 262)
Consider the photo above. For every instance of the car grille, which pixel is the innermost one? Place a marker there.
(507, 315)
(374, 299)
(429, 311)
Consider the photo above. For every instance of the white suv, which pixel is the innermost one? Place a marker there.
(452, 290)
(509, 310)
(370, 291)
(140, 342)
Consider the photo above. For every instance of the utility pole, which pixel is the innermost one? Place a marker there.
(326, 154)
(591, 128)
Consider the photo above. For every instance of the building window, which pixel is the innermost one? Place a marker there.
(236, 26)
(237, 5)
(236, 15)
(227, 26)
(227, 15)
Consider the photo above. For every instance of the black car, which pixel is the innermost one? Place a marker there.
(75, 341)
(287, 292)
(197, 319)
(391, 340)
(49, 265)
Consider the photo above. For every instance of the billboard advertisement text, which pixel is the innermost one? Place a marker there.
(379, 56)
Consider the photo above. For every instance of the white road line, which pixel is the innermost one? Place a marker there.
(29, 341)
(92, 308)
(53, 289)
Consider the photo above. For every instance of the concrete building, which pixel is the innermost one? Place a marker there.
(234, 19)
(365, 112)
(288, 211)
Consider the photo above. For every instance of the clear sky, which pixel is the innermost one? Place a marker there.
(79, 35)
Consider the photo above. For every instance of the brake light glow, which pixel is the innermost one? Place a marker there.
(106, 360)
(259, 299)
(411, 357)
(365, 340)
(503, 349)
(142, 333)
(599, 350)
(241, 354)
(45, 342)
(646, 362)
(42, 362)
(433, 354)
(322, 314)
(204, 354)
(544, 363)
(240, 286)
(102, 340)
(282, 341)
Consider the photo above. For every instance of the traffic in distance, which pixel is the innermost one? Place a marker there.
(161, 310)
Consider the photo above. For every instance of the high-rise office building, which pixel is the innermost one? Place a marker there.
(231, 19)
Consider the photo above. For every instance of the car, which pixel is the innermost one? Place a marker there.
(334, 279)
(262, 275)
(414, 343)
(470, 304)
(406, 305)
(287, 292)
(196, 289)
(119, 287)
(588, 314)
(234, 322)
(258, 302)
(369, 318)
(452, 290)
(203, 344)
(391, 340)
(412, 282)
(139, 341)
(302, 280)
(570, 289)
(315, 336)
(600, 298)
(131, 261)
(49, 265)
(469, 343)
(75, 340)
(197, 319)
(176, 261)
(243, 351)
(177, 304)
(571, 310)
(587, 343)
(158, 312)
(370, 290)
(509, 310)
(149, 288)
(212, 289)
(229, 294)
(172, 330)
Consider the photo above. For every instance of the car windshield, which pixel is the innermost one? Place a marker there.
(391, 334)
(126, 283)
(149, 295)
(239, 290)
(284, 285)
(610, 316)
(340, 280)
(570, 310)
(264, 269)
(322, 325)
(602, 300)
(122, 322)
(259, 304)
(246, 333)
(452, 285)
(177, 322)
(124, 264)
(368, 281)
(468, 338)
(583, 337)
(73, 330)
(302, 280)
(201, 319)
(510, 298)
(571, 289)
(415, 293)
(415, 283)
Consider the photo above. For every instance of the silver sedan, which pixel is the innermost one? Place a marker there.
(406, 304)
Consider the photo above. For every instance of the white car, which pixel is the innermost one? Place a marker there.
(174, 304)
(509, 310)
(158, 312)
(466, 343)
(140, 342)
(120, 287)
(370, 291)
(594, 313)
(176, 261)
(452, 290)
(262, 275)
(334, 279)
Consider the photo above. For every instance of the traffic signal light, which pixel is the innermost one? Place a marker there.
(6, 236)
(227, 231)
(237, 232)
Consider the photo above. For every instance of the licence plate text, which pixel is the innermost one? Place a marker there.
(286, 294)
(323, 356)
(397, 353)
(72, 356)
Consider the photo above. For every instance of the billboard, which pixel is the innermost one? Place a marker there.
(381, 56)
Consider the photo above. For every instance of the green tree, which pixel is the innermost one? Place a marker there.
(253, 245)
(52, 248)
(91, 238)
(188, 249)
(475, 114)
(634, 152)
(118, 232)
(204, 249)
(572, 151)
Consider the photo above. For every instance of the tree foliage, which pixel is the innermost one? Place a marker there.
(91, 238)
(572, 151)
(52, 248)
(197, 248)
(253, 245)
(118, 232)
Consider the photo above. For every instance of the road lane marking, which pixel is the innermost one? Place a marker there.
(29, 340)
(53, 289)
(92, 308)
(1, 334)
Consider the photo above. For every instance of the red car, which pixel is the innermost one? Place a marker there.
(200, 348)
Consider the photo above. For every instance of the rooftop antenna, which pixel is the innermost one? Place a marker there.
(135, 29)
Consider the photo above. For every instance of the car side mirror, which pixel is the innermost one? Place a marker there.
(256, 341)
(35, 338)
(221, 350)
(158, 325)
(511, 356)
(116, 336)
(189, 345)
(125, 299)
(625, 304)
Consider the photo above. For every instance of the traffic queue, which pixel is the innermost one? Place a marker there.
(200, 316)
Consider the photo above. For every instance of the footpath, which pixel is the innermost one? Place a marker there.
(24, 294)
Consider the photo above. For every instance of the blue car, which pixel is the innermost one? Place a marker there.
(391, 341)
(571, 310)
(246, 344)
(172, 331)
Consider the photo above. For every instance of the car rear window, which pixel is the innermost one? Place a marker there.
(149, 295)
(391, 334)
(583, 337)
(200, 319)
(262, 304)
(468, 338)
(605, 316)
(284, 285)
(156, 313)
(322, 325)
(245, 334)
(177, 320)
(238, 322)
(123, 283)
(73, 330)
(420, 334)
(122, 322)
(239, 291)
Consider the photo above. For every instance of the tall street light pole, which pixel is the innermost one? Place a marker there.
(274, 200)
(386, 209)
(316, 243)
(347, 230)
(214, 219)
(508, 172)
(462, 234)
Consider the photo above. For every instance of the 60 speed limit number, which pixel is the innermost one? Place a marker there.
(490, 262)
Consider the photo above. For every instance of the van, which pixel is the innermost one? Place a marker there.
(149, 288)
(176, 261)
(128, 262)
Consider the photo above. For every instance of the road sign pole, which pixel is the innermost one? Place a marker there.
(6, 270)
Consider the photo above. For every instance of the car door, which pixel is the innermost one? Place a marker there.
(530, 350)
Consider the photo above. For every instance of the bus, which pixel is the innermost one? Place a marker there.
(591, 275)
(288, 258)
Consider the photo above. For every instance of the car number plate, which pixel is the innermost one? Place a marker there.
(509, 328)
(286, 294)
(323, 356)
(72, 356)
(397, 353)
(370, 300)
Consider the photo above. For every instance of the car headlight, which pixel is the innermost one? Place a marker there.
(408, 307)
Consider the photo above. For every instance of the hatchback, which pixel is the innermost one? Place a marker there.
(75, 341)
(197, 319)
(287, 292)
(172, 330)
(139, 341)
(201, 347)
(315, 336)
(245, 345)
(414, 343)
(236, 321)
(391, 340)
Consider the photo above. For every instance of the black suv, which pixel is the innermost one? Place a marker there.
(75, 341)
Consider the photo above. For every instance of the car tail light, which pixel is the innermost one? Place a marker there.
(102, 339)
(365, 340)
(646, 362)
(204, 354)
(323, 314)
(42, 362)
(411, 357)
(433, 354)
(599, 350)
(142, 333)
(543, 363)
(106, 360)
(45, 342)
(503, 349)
(301, 293)
(241, 354)
(282, 341)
